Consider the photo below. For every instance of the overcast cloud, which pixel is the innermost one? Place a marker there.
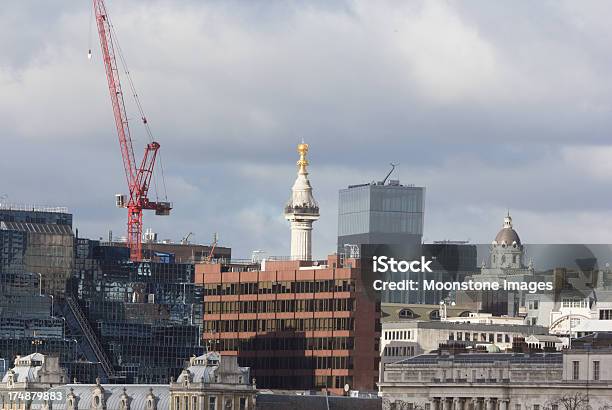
(490, 105)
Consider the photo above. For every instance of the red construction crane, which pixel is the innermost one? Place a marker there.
(138, 179)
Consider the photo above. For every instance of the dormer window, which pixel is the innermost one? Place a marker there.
(406, 314)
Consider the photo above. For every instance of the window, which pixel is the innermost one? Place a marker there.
(407, 314)
(212, 403)
(596, 370)
(194, 402)
(243, 404)
(575, 370)
(536, 407)
(605, 314)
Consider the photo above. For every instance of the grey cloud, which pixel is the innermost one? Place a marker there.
(490, 105)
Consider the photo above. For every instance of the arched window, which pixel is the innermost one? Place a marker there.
(407, 314)
(434, 315)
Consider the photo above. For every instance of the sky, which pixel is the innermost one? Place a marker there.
(489, 105)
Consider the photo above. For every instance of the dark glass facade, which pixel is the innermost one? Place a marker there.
(29, 315)
(146, 316)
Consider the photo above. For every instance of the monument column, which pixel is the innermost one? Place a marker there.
(301, 210)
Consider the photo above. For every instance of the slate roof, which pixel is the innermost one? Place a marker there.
(113, 392)
(298, 402)
(515, 358)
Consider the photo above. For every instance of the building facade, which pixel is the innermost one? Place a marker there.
(379, 213)
(409, 338)
(503, 381)
(213, 381)
(140, 320)
(296, 324)
(31, 374)
(38, 241)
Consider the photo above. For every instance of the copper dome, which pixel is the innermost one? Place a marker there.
(508, 235)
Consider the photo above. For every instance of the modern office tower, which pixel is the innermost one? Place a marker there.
(296, 324)
(379, 213)
(141, 321)
(36, 251)
(301, 210)
(38, 241)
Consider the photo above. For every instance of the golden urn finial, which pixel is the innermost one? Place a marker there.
(302, 162)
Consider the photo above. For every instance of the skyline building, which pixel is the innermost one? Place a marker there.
(380, 213)
(301, 210)
(140, 320)
(36, 259)
(297, 324)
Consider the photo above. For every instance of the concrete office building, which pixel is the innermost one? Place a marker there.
(296, 324)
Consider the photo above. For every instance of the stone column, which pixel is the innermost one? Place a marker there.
(457, 403)
(475, 405)
(447, 404)
(504, 404)
(489, 403)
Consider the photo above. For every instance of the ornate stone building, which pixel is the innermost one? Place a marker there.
(210, 382)
(215, 382)
(506, 263)
(31, 374)
(499, 381)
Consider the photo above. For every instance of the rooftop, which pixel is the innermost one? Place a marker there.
(33, 208)
(514, 358)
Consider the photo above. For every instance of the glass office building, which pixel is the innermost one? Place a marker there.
(380, 214)
(141, 320)
(28, 318)
(38, 241)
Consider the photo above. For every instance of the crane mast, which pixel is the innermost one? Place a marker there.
(138, 178)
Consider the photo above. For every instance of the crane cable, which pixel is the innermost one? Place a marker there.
(139, 105)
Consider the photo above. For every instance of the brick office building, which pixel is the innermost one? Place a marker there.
(297, 324)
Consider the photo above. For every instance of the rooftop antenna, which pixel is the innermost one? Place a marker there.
(390, 172)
